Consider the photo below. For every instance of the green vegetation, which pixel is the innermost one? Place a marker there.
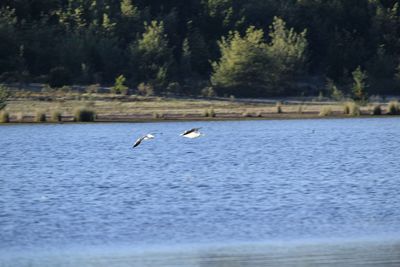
(336, 94)
(84, 115)
(212, 48)
(119, 86)
(251, 67)
(359, 84)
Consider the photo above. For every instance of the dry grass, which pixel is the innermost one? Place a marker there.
(394, 108)
(40, 116)
(325, 111)
(351, 109)
(4, 117)
(155, 107)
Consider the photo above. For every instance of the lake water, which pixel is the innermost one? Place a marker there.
(248, 193)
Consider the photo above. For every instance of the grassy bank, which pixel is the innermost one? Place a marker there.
(67, 107)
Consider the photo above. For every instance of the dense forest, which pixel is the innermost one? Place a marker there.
(191, 47)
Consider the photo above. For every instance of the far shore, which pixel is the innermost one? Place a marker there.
(42, 107)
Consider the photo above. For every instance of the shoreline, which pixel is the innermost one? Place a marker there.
(133, 119)
(63, 108)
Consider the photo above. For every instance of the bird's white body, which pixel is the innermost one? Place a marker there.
(192, 135)
(148, 136)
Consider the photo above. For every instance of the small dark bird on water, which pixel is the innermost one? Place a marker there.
(146, 137)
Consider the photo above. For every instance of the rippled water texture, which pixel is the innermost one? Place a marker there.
(74, 186)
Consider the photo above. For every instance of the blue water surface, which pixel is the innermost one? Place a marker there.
(244, 181)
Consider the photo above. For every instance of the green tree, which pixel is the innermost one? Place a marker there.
(9, 40)
(119, 86)
(199, 51)
(243, 67)
(359, 84)
(185, 62)
(287, 50)
(251, 67)
(153, 56)
(129, 23)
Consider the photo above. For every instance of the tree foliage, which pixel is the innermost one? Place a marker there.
(249, 66)
(154, 55)
(164, 42)
(359, 84)
(119, 86)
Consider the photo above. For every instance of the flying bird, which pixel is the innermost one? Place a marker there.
(192, 133)
(146, 137)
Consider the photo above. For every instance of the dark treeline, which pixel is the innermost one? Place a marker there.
(228, 47)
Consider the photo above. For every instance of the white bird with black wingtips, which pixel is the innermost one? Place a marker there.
(143, 138)
(192, 133)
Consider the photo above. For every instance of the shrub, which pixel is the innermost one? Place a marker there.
(336, 94)
(56, 116)
(145, 89)
(157, 115)
(279, 107)
(208, 92)
(246, 114)
(4, 117)
(325, 111)
(119, 86)
(93, 88)
(393, 108)
(40, 116)
(59, 76)
(300, 109)
(351, 109)
(85, 115)
(377, 110)
(346, 109)
(359, 84)
(47, 89)
(209, 113)
(174, 88)
(66, 89)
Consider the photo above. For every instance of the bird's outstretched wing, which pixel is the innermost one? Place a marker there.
(138, 142)
(191, 131)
